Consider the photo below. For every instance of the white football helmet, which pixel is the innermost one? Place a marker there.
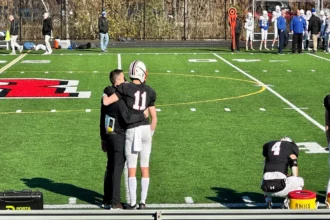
(327, 14)
(137, 70)
(277, 8)
(249, 15)
(302, 12)
(288, 139)
(265, 14)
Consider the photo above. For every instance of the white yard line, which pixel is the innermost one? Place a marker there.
(12, 63)
(119, 61)
(189, 200)
(318, 57)
(274, 92)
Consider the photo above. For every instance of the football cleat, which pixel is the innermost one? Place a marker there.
(269, 204)
(129, 207)
(106, 206)
(285, 204)
(142, 206)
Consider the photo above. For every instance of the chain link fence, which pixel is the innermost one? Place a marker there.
(137, 19)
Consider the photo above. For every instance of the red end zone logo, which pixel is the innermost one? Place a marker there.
(40, 88)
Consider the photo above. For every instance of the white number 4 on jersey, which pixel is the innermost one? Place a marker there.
(276, 148)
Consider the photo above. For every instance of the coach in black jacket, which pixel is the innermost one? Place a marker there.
(47, 28)
(14, 26)
(114, 142)
(314, 27)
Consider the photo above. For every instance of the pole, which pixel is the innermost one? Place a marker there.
(67, 20)
(253, 12)
(144, 20)
(102, 5)
(20, 20)
(61, 19)
(184, 19)
(225, 13)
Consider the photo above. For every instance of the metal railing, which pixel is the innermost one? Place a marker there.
(165, 214)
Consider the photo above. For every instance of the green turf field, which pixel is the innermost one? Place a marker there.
(213, 119)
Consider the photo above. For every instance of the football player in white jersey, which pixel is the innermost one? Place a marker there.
(307, 34)
(276, 14)
(249, 25)
(264, 25)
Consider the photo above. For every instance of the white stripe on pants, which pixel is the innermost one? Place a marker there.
(49, 48)
(13, 43)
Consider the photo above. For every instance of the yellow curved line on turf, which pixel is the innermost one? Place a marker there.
(263, 88)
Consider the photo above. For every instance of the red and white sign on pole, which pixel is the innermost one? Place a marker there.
(232, 14)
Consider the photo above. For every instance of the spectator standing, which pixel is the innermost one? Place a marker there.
(13, 35)
(297, 27)
(281, 26)
(249, 26)
(322, 32)
(103, 30)
(327, 33)
(47, 28)
(264, 25)
(238, 29)
(314, 27)
(276, 14)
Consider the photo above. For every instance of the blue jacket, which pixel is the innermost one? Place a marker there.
(298, 25)
(281, 23)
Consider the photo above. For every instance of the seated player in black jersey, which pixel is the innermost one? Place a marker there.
(279, 155)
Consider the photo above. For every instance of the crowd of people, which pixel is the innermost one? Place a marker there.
(303, 27)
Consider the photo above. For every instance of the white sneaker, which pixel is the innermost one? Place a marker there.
(21, 49)
(266, 48)
(46, 53)
(247, 48)
(252, 48)
(12, 54)
(285, 204)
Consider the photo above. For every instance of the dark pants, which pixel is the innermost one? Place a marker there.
(281, 37)
(115, 166)
(237, 36)
(297, 43)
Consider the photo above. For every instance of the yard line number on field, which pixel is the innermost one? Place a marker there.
(274, 92)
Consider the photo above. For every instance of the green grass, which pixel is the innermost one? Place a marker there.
(211, 155)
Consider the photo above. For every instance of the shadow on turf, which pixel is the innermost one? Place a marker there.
(225, 195)
(65, 189)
